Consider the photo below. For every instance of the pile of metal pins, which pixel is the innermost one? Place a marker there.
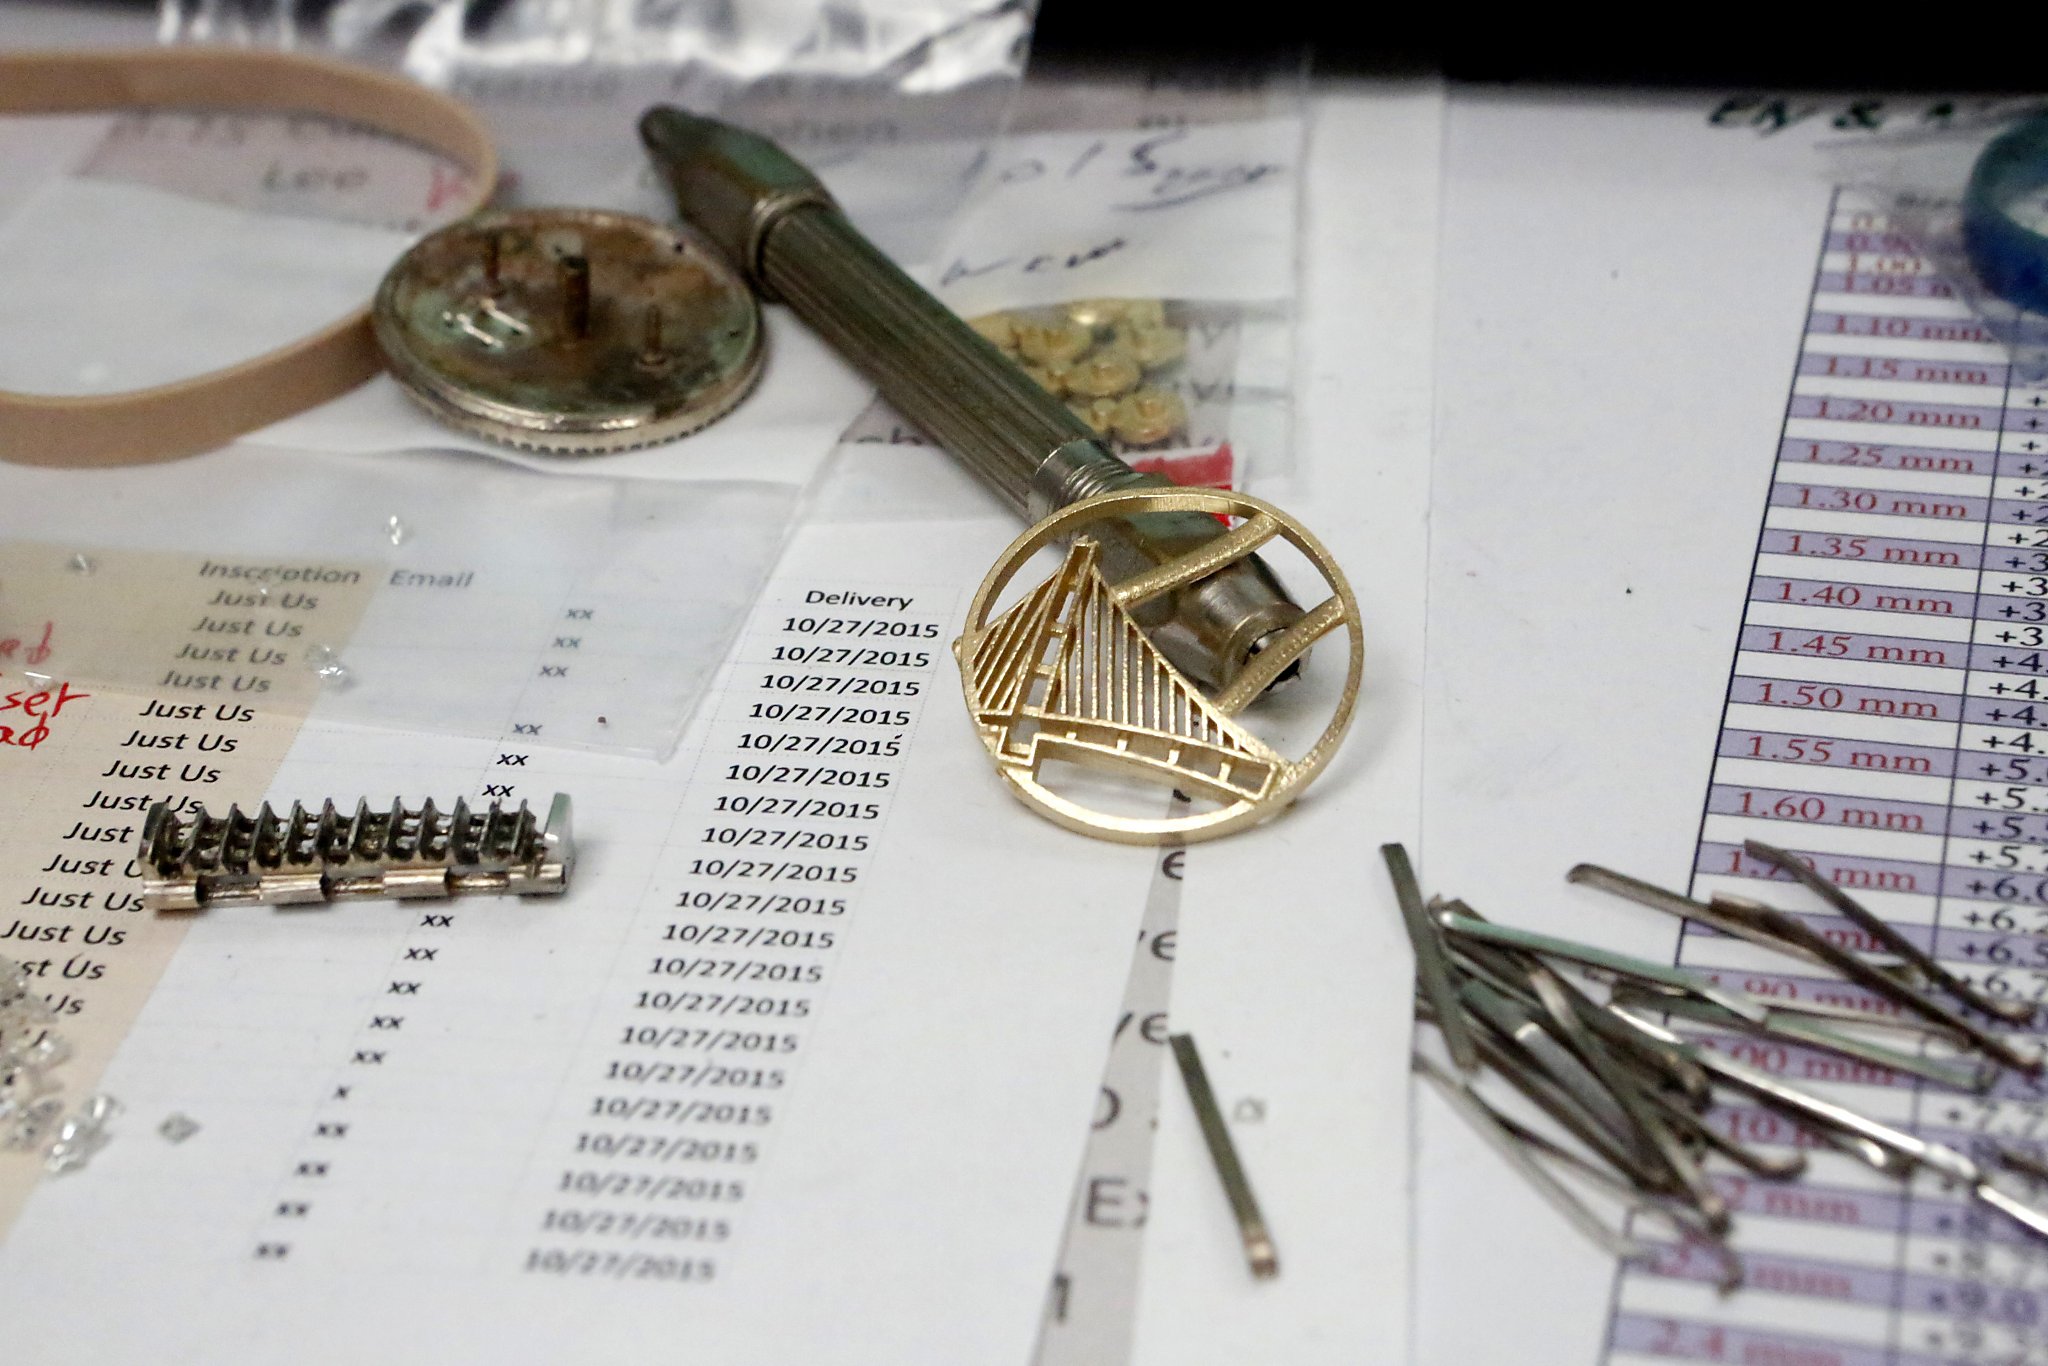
(1635, 1099)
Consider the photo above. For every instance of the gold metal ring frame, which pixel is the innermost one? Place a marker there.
(1067, 674)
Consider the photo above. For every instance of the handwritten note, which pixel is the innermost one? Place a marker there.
(33, 711)
(305, 165)
(1145, 212)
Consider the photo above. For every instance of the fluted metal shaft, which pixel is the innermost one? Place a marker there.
(783, 229)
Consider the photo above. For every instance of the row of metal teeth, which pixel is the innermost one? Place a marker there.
(315, 856)
(238, 842)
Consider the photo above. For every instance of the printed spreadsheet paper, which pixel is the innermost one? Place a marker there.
(798, 1071)
(1736, 537)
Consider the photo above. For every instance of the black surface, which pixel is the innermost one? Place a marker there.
(1732, 47)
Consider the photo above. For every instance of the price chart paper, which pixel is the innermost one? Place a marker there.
(1814, 579)
(1888, 721)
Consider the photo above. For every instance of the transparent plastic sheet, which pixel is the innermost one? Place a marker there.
(1157, 221)
(161, 242)
(154, 245)
(1907, 189)
(206, 237)
(150, 245)
(891, 101)
(440, 593)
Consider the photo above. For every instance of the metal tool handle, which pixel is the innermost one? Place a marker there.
(937, 371)
(775, 219)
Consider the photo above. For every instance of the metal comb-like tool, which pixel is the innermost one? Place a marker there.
(195, 861)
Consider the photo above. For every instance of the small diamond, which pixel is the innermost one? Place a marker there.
(82, 564)
(397, 531)
(45, 1050)
(81, 1136)
(325, 662)
(178, 1127)
(27, 1127)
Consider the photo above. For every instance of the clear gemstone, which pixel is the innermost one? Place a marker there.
(32, 1124)
(177, 1127)
(325, 662)
(81, 1136)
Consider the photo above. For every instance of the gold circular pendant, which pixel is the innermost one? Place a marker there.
(1065, 678)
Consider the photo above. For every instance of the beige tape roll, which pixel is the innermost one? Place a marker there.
(197, 414)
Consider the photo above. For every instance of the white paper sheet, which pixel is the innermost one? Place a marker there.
(1625, 286)
(1293, 969)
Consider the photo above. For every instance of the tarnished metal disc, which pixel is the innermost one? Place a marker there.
(575, 331)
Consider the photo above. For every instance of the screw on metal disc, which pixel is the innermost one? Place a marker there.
(574, 331)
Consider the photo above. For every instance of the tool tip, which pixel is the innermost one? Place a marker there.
(1263, 1256)
(668, 128)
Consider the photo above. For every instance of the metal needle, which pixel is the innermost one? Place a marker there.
(1511, 1145)
(1684, 907)
(1797, 931)
(1935, 1157)
(1974, 1075)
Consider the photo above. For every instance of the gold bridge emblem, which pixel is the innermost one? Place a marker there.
(1067, 674)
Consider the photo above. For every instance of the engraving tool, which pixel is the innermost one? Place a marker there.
(780, 226)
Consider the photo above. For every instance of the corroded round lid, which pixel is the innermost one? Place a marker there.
(574, 331)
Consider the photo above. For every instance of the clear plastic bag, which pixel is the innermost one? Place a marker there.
(435, 593)
(1124, 219)
(892, 101)
(1910, 187)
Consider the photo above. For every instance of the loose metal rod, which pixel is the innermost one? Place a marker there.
(1490, 1126)
(1684, 907)
(1823, 1114)
(1237, 1187)
(1976, 1075)
(1795, 930)
(1547, 1054)
(1880, 929)
(1684, 1219)
(1586, 954)
(1432, 968)
(1650, 1064)
(1547, 1096)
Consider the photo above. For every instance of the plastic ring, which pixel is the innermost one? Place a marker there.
(2010, 259)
